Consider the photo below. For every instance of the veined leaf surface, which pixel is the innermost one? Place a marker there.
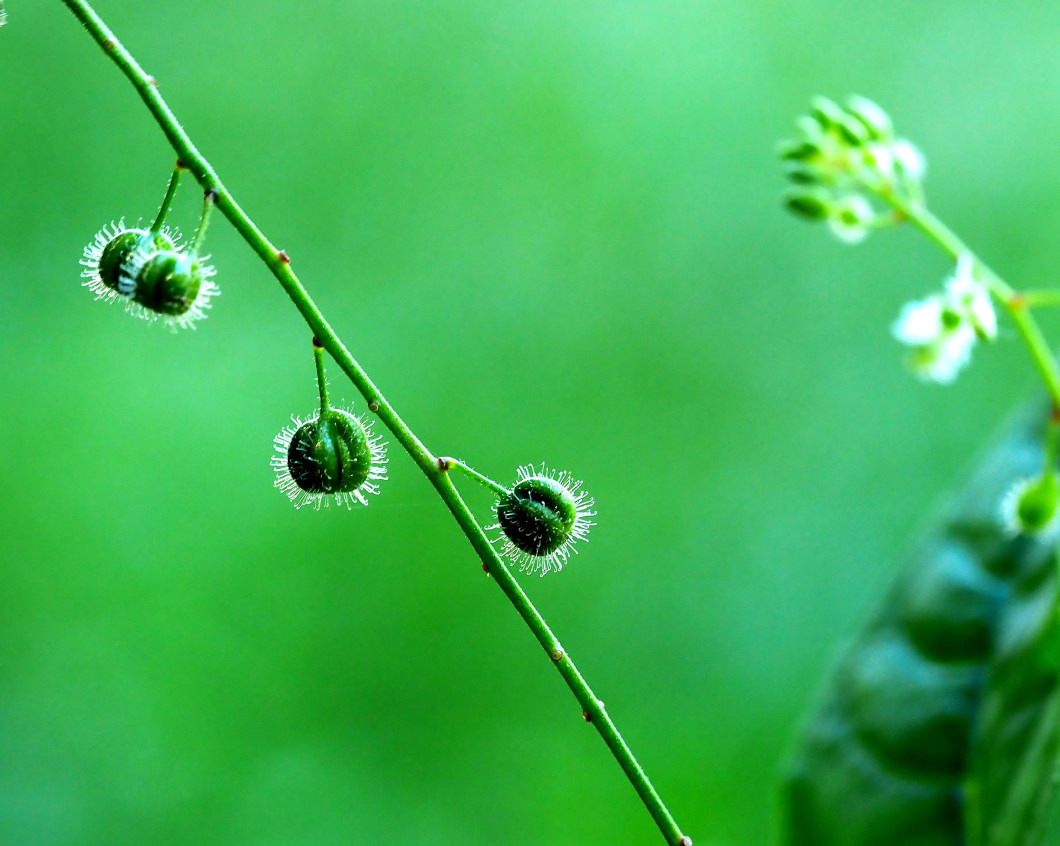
(940, 724)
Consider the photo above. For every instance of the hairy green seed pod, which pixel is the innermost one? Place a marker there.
(150, 273)
(537, 516)
(168, 282)
(109, 260)
(114, 262)
(541, 517)
(331, 456)
(172, 285)
(940, 726)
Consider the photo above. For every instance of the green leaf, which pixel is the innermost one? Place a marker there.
(940, 724)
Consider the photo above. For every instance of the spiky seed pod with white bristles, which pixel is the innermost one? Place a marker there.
(541, 518)
(172, 285)
(329, 457)
(151, 273)
(108, 258)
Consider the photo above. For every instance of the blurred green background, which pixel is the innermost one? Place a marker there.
(549, 231)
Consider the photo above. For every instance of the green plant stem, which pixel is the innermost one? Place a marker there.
(279, 264)
(204, 221)
(1052, 446)
(1040, 298)
(485, 481)
(167, 201)
(322, 379)
(592, 708)
(1011, 300)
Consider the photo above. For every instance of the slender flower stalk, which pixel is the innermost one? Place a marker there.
(167, 201)
(1017, 305)
(485, 481)
(1034, 298)
(322, 378)
(208, 200)
(436, 471)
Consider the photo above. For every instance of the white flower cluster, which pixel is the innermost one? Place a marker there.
(839, 153)
(943, 328)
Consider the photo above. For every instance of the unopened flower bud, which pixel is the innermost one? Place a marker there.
(809, 203)
(875, 120)
(911, 161)
(798, 149)
(825, 112)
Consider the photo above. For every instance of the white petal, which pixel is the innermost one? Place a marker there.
(881, 157)
(970, 298)
(919, 323)
(983, 316)
(849, 219)
(910, 159)
(942, 361)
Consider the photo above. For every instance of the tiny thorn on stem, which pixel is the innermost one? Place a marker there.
(109, 45)
(151, 81)
(587, 716)
(443, 463)
(373, 406)
(283, 257)
(556, 654)
(211, 195)
(486, 570)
